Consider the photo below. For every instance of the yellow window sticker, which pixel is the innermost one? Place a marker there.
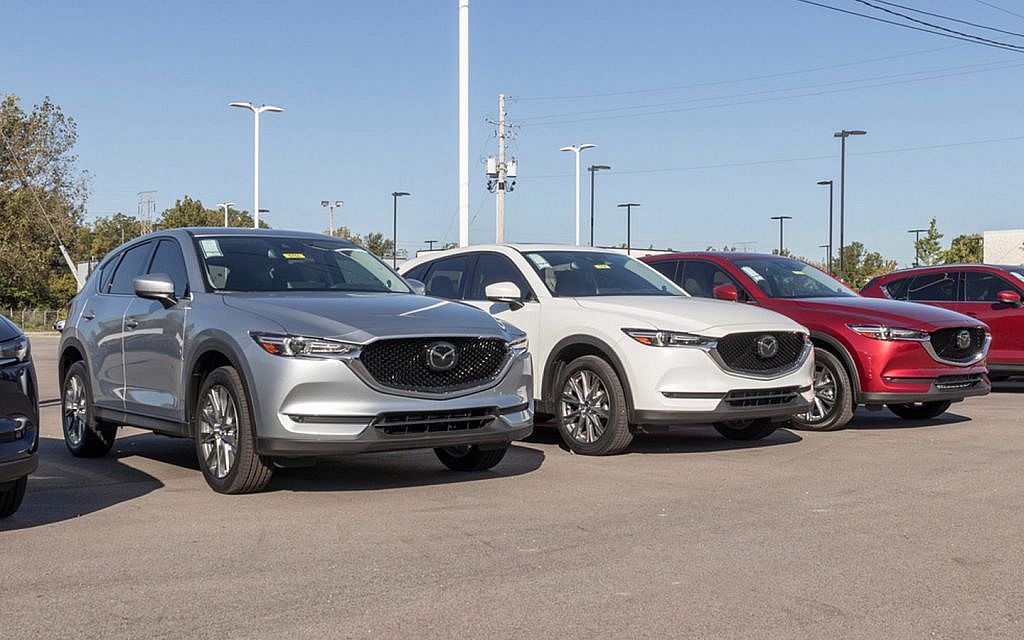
(602, 266)
(293, 256)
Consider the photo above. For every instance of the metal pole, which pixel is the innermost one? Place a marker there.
(830, 200)
(578, 197)
(463, 123)
(330, 220)
(842, 208)
(782, 245)
(394, 235)
(593, 171)
(256, 171)
(629, 225)
(499, 233)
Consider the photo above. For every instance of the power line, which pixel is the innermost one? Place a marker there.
(1006, 47)
(997, 8)
(939, 15)
(936, 26)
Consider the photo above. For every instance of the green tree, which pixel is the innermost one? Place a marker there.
(347, 234)
(187, 212)
(928, 250)
(108, 233)
(861, 265)
(965, 249)
(42, 197)
(378, 245)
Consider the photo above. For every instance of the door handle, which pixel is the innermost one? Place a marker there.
(88, 315)
(131, 324)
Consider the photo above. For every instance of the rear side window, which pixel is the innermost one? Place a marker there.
(666, 268)
(897, 289)
(169, 261)
(933, 287)
(980, 286)
(132, 265)
(492, 268)
(447, 278)
(417, 273)
(700, 278)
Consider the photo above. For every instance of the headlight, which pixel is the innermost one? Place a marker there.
(655, 338)
(880, 332)
(15, 350)
(302, 346)
(518, 344)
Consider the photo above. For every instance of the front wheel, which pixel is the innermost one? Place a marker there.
(833, 396)
(10, 498)
(746, 429)
(920, 410)
(469, 457)
(592, 417)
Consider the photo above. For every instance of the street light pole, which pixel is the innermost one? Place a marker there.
(330, 219)
(843, 135)
(226, 205)
(917, 237)
(629, 223)
(577, 149)
(394, 233)
(593, 169)
(828, 253)
(256, 111)
(781, 219)
(830, 199)
(430, 244)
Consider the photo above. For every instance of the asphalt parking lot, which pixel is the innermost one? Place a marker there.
(888, 529)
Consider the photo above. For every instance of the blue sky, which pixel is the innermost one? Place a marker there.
(369, 90)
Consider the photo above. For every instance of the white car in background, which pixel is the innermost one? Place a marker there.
(618, 348)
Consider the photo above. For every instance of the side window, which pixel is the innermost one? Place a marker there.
(933, 287)
(132, 265)
(983, 287)
(700, 278)
(447, 278)
(897, 289)
(105, 271)
(169, 260)
(418, 273)
(666, 268)
(491, 268)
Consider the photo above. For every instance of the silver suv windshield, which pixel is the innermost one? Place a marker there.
(577, 274)
(266, 263)
(787, 278)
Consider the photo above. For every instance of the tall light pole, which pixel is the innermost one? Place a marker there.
(593, 169)
(843, 135)
(917, 237)
(256, 111)
(629, 223)
(430, 244)
(394, 232)
(781, 220)
(463, 123)
(828, 253)
(577, 149)
(226, 205)
(830, 199)
(330, 218)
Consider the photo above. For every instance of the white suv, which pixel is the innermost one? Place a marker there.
(618, 348)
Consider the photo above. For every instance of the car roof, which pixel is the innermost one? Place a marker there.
(184, 233)
(942, 267)
(500, 248)
(724, 255)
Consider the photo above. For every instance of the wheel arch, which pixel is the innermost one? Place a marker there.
(568, 349)
(210, 355)
(71, 351)
(836, 348)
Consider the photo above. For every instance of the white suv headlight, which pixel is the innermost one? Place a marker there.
(303, 346)
(656, 338)
(881, 332)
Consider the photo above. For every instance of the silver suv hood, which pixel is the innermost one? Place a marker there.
(359, 317)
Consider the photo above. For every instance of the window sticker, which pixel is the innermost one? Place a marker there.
(540, 261)
(754, 275)
(293, 256)
(210, 247)
(602, 266)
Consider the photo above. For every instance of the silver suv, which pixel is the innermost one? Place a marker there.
(271, 348)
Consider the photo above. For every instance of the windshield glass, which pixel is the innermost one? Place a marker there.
(589, 273)
(1017, 273)
(786, 278)
(262, 263)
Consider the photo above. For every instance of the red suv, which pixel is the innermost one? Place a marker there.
(913, 359)
(989, 293)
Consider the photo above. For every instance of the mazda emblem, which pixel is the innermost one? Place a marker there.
(767, 346)
(963, 339)
(441, 356)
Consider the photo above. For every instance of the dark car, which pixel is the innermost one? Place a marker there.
(915, 360)
(987, 292)
(19, 417)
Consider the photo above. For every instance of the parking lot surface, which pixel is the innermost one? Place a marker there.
(889, 529)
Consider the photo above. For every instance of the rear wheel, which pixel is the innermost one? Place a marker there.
(10, 498)
(833, 396)
(920, 410)
(469, 457)
(747, 429)
(84, 434)
(592, 416)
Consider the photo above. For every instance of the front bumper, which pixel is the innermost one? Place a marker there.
(932, 390)
(309, 408)
(19, 422)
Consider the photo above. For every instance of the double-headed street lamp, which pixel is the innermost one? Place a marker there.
(829, 245)
(577, 149)
(256, 111)
(394, 233)
(917, 238)
(330, 219)
(593, 169)
(226, 205)
(843, 135)
(629, 223)
(781, 219)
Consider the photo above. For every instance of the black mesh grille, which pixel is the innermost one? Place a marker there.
(761, 397)
(739, 351)
(945, 342)
(434, 421)
(402, 363)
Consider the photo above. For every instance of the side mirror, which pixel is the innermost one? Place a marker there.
(727, 292)
(506, 292)
(155, 286)
(418, 287)
(1009, 297)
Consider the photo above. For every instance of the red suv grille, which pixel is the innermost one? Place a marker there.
(949, 345)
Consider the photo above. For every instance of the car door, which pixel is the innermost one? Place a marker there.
(101, 325)
(154, 342)
(978, 299)
(937, 288)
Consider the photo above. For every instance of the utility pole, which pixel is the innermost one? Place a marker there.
(499, 171)
(463, 123)
(917, 238)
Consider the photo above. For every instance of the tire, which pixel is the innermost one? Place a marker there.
(747, 429)
(10, 498)
(225, 436)
(992, 378)
(85, 435)
(833, 396)
(601, 425)
(920, 410)
(470, 457)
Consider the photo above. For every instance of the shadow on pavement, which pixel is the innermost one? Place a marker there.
(884, 419)
(682, 439)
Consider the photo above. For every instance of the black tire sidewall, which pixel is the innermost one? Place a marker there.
(98, 437)
(616, 436)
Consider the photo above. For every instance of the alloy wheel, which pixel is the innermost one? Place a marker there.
(218, 431)
(74, 410)
(585, 406)
(825, 388)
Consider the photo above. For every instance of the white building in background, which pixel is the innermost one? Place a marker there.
(1004, 246)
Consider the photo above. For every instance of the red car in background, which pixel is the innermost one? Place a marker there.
(989, 293)
(913, 359)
